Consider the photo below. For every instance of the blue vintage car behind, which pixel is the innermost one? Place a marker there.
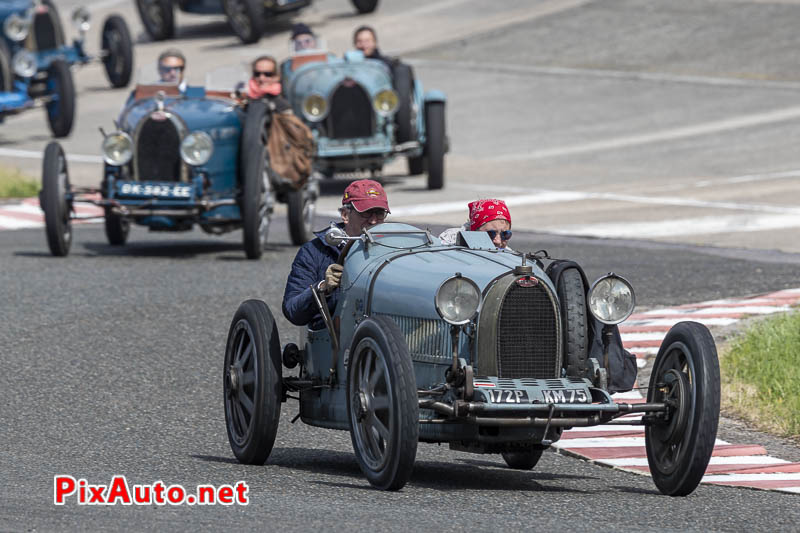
(364, 113)
(179, 159)
(35, 59)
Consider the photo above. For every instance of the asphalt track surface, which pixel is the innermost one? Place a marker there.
(112, 358)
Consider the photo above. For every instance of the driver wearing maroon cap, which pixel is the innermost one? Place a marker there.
(364, 204)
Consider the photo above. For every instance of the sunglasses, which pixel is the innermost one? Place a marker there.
(165, 68)
(378, 213)
(265, 73)
(505, 235)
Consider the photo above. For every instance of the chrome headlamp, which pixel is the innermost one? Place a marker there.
(117, 149)
(196, 148)
(611, 299)
(80, 19)
(315, 107)
(457, 300)
(385, 102)
(24, 64)
(17, 28)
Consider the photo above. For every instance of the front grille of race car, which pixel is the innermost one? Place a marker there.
(158, 151)
(351, 114)
(527, 334)
(44, 30)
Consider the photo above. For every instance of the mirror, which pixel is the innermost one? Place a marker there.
(335, 236)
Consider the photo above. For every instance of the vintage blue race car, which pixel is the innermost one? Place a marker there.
(180, 158)
(247, 18)
(365, 112)
(35, 60)
(485, 350)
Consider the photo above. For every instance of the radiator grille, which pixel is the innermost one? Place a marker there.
(45, 31)
(428, 340)
(351, 114)
(158, 151)
(527, 335)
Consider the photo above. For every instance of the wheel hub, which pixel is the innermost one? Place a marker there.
(360, 403)
(676, 396)
(234, 379)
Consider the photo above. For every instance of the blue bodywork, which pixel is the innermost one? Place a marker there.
(323, 78)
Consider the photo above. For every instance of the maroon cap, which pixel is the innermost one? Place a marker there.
(365, 195)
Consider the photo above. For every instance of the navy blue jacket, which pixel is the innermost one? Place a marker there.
(308, 268)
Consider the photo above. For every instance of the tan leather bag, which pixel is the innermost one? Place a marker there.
(291, 148)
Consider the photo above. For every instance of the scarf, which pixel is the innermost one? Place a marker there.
(255, 92)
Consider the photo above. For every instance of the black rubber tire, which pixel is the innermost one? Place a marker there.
(416, 165)
(253, 160)
(158, 18)
(56, 19)
(435, 144)
(117, 228)
(116, 43)
(251, 437)
(575, 323)
(376, 338)
(53, 199)
(61, 112)
(523, 460)
(403, 80)
(6, 75)
(365, 6)
(246, 18)
(300, 214)
(689, 439)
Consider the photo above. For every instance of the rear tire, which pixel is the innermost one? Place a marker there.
(118, 51)
(365, 6)
(53, 199)
(435, 144)
(574, 315)
(301, 207)
(252, 382)
(117, 228)
(60, 111)
(246, 18)
(158, 18)
(523, 460)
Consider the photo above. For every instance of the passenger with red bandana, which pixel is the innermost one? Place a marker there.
(489, 215)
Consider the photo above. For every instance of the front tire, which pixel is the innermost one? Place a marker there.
(523, 460)
(435, 144)
(158, 18)
(382, 403)
(6, 76)
(246, 18)
(572, 296)
(686, 376)
(301, 206)
(365, 6)
(53, 198)
(117, 50)
(252, 386)
(61, 110)
(257, 205)
(117, 228)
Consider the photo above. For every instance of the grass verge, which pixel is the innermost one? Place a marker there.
(15, 184)
(761, 373)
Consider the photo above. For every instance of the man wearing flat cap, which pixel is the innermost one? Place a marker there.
(364, 204)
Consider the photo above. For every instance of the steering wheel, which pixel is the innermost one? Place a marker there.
(343, 253)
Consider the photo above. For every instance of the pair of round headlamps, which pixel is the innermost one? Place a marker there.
(196, 148)
(315, 107)
(611, 299)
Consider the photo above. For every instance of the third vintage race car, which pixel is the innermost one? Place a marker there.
(364, 113)
(181, 156)
(35, 59)
(482, 349)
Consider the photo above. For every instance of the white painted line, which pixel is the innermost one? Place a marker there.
(733, 460)
(32, 154)
(640, 363)
(637, 337)
(17, 223)
(716, 126)
(644, 350)
(609, 429)
(672, 321)
(775, 476)
(26, 209)
(630, 395)
(747, 310)
(795, 490)
(609, 442)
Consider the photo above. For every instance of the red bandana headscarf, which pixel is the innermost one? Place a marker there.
(486, 210)
(255, 92)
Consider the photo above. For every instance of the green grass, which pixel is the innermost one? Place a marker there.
(761, 375)
(14, 184)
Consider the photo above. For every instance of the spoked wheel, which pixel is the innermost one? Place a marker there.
(572, 296)
(301, 206)
(382, 403)
(61, 108)
(158, 18)
(258, 203)
(252, 382)
(117, 228)
(523, 460)
(246, 18)
(365, 6)
(117, 50)
(54, 200)
(435, 143)
(685, 377)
